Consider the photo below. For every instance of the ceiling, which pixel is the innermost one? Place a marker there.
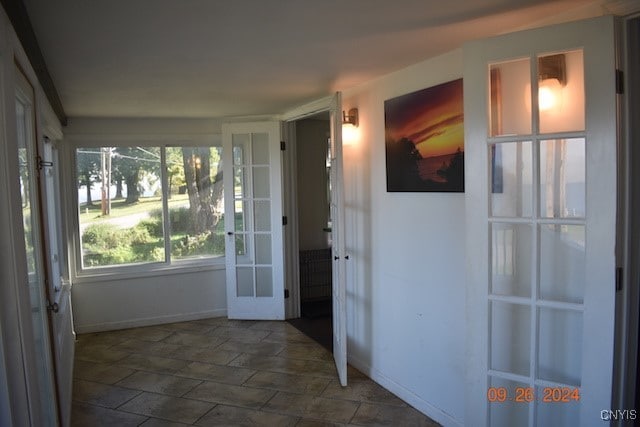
(215, 58)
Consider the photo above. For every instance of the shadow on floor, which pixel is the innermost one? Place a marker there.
(316, 322)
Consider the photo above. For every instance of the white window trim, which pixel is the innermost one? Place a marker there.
(79, 274)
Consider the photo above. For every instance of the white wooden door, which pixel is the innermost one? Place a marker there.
(338, 252)
(540, 136)
(253, 220)
(63, 337)
(38, 348)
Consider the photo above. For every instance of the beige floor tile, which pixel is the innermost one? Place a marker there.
(205, 355)
(247, 397)
(98, 338)
(291, 383)
(101, 353)
(223, 372)
(260, 348)
(156, 422)
(273, 326)
(316, 368)
(218, 373)
(159, 383)
(383, 415)
(84, 415)
(194, 340)
(239, 334)
(101, 394)
(143, 362)
(191, 326)
(231, 323)
(168, 408)
(99, 372)
(306, 422)
(223, 415)
(148, 333)
(362, 390)
(145, 347)
(289, 336)
(339, 411)
(306, 352)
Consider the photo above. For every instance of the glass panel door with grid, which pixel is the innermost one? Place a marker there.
(547, 238)
(39, 359)
(253, 220)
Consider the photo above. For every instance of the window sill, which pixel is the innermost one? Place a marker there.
(144, 271)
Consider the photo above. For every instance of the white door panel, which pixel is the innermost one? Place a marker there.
(253, 220)
(338, 252)
(540, 136)
(39, 350)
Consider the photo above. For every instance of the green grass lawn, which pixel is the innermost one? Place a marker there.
(119, 208)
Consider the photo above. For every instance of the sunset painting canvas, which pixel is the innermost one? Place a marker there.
(424, 140)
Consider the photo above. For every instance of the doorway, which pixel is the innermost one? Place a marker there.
(312, 210)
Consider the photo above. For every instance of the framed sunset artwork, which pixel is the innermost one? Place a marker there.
(424, 140)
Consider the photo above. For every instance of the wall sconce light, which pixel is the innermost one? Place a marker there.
(349, 126)
(552, 77)
(350, 118)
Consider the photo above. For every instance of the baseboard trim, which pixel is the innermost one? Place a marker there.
(149, 321)
(407, 395)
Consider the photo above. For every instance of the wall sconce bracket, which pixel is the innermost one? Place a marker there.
(350, 117)
(552, 67)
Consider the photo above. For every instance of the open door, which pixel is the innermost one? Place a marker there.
(253, 220)
(540, 135)
(338, 242)
(39, 348)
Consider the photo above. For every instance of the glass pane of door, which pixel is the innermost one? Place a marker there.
(537, 239)
(41, 381)
(252, 214)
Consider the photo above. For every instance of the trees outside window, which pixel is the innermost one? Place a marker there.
(124, 217)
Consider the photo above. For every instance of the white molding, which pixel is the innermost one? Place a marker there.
(621, 7)
(407, 395)
(149, 321)
(146, 139)
(309, 109)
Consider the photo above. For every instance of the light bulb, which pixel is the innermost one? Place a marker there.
(350, 134)
(549, 94)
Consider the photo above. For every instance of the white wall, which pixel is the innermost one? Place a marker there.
(406, 287)
(139, 301)
(166, 294)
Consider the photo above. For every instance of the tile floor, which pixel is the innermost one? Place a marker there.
(222, 372)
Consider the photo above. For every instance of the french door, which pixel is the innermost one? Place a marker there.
(540, 134)
(338, 251)
(37, 345)
(253, 220)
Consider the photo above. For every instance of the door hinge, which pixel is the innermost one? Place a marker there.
(286, 293)
(619, 82)
(285, 220)
(53, 307)
(619, 277)
(43, 164)
(283, 145)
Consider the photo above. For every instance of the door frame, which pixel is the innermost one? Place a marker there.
(290, 187)
(626, 384)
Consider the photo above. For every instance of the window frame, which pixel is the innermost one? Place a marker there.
(138, 270)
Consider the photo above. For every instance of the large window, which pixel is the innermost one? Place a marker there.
(149, 204)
